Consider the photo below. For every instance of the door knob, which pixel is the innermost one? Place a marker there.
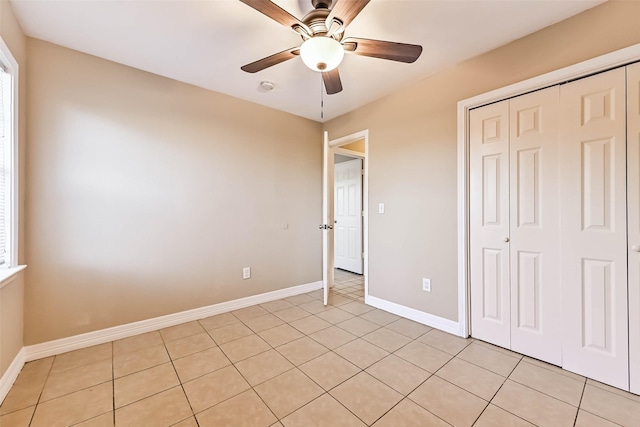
(330, 227)
(321, 227)
(635, 248)
(506, 239)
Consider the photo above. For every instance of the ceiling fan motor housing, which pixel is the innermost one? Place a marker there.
(316, 20)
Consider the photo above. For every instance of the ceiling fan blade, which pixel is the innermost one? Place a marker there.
(345, 11)
(269, 61)
(332, 81)
(278, 14)
(393, 51)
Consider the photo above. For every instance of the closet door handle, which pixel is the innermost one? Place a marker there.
(506, 240)
(635, 248)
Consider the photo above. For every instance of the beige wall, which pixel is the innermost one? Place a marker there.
(12, 295)
(147, 196)
(412, 152)
(11, 321)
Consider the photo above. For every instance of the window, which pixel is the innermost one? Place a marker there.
(8, 158)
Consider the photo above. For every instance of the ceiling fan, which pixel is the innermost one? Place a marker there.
(324, 44)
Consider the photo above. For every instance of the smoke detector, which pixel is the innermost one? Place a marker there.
(267, 86)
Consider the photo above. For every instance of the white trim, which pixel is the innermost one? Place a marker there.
(12, 68)
(336, 144)
(463, 223)
(437, 322)
(11, 374)
(8, 275)
(363, 134)
(63, 345)
(582, 69)
(365, 210)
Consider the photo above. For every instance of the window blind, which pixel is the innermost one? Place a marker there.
(4, 100)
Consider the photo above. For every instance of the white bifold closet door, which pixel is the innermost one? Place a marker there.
(489, 224)
(535, 226)
(514, 225)
(594, 227)
(633, 215)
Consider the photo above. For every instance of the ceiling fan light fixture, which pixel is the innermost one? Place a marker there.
(321, 53)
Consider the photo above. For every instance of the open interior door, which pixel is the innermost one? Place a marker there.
(327, 218)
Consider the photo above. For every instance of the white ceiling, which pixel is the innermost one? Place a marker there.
(205, 42)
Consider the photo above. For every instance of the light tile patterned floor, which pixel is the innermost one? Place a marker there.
(294, 362)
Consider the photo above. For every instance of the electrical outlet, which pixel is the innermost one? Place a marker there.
(426, 284)
(246, 273)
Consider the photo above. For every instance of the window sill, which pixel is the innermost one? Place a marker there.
(8, 274)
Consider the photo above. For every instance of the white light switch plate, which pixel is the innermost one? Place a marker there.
(381, 208)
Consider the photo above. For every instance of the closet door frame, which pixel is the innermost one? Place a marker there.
(633, 225)
(602, 63)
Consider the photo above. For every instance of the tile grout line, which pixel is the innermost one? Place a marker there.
(613, 393)
(584, 387)
(33, 416)
(113, 384)
(413, 390)
(562, 372)
(180, 383)
(546, 394)
(602, 418)
(524, 385)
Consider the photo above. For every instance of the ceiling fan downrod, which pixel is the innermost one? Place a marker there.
(321, 4)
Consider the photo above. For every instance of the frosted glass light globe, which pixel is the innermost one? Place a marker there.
(321, 53)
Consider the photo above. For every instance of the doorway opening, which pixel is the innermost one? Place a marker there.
(346, 247)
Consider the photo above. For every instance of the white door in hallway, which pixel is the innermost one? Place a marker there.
(534, 225)
(594, 227)
(633, 207)
(348, 215)
(489, 224)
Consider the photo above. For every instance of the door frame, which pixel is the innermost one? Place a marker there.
(599, 64)
(334, 148)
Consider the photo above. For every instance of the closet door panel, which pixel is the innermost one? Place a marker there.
(535, 226)
(594, 227)
(633, 206)
(489, 223)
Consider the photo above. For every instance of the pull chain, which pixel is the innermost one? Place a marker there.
(321, 98)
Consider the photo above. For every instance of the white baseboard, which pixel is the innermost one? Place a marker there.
(63, 345)
(11, 374)
(437, 322)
